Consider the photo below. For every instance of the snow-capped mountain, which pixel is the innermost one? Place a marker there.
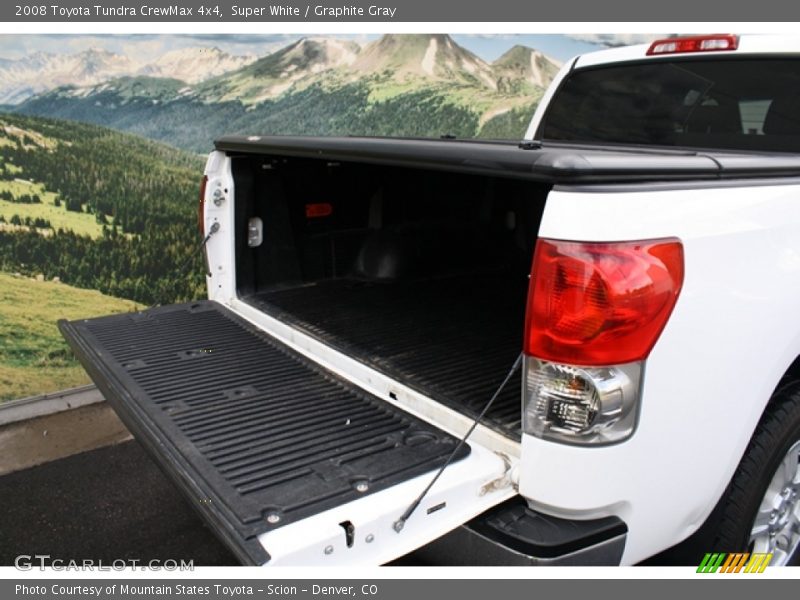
(193, 65)
(40, 72)
(410, 60)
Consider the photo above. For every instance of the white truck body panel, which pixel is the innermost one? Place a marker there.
(712, 371)
(458, 496)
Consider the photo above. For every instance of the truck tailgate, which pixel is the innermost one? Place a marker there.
(257, 436)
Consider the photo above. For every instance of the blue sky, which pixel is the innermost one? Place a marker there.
(148, 47)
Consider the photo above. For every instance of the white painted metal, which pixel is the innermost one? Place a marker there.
(756, 44)
(731, 337)
(221, 276)
(459, 488)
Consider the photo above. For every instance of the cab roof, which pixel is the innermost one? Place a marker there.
(747, 44)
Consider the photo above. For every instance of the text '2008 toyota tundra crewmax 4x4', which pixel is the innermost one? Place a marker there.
(581, 348)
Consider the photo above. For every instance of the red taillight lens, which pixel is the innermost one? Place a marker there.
(201, 206)
(319, 209)
(600, 303)
(699, 43)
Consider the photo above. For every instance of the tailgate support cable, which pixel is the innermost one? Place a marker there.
(401, 522)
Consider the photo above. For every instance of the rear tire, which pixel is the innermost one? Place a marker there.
(760, 511)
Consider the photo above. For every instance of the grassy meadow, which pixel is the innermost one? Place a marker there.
(34, 358)
(58, 216)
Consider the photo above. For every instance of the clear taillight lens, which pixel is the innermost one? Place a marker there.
(580, 405)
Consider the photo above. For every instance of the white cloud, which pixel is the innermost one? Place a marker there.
(144, 50)
(139, 47)
(613, 40)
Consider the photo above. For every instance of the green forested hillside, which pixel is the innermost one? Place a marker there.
(347, 110)
(140, 196)
(399, 85)
(516, 120)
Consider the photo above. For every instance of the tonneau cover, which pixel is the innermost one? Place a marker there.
(554, 163)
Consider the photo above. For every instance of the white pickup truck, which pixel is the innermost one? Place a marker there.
(638, 254)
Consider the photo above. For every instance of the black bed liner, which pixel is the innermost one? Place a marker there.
(249, 429)
(549, 163)
(451, 338)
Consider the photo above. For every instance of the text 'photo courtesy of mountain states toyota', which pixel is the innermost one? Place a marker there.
(587, 340)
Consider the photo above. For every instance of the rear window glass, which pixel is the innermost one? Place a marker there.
(724, 103)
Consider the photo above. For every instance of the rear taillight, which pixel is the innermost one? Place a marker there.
(698, 43)
(595, 310)
(600, 303)
(201, 206)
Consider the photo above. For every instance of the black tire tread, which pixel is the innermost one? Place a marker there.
(779, 423)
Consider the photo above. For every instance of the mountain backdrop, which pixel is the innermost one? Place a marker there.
(41, 72)
(99, 209)
(84, 206)
(398, 85)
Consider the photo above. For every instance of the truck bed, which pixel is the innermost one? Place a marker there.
(452, 338)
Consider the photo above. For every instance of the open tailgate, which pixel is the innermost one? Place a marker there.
(288, 463)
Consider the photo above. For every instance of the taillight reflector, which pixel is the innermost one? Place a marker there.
(699, 43)
(319, 209)
(201, 206)
(600, 303)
